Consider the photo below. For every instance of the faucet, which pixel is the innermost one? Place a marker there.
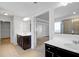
(76, 42)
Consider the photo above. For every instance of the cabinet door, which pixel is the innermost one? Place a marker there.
(49, 54)
(65, 53)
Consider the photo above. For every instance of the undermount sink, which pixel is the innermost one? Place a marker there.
(72, 46)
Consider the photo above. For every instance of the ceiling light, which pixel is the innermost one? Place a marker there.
(74, 12)
(5, 13)
(65, 3)
(26, 19)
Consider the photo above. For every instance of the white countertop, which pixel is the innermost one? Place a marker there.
(64, 44)
(25, 34)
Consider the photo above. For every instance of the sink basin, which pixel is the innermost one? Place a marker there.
(72, 46)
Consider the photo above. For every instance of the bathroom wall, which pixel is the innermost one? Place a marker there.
(0, 29)
(20, 27)
(67, 27)
(76, 25)
(26, 27)
(17, 28)
(5, 18)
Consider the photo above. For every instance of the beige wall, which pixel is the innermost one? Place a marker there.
(76, 26)
(67, 26)
(0, 29)
(71, 26)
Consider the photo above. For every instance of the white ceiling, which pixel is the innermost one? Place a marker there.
(63, 12)
(67, 11)
(26, 9)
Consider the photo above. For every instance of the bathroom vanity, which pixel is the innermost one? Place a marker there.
(24, 41)
(61, 49)
(53, 51)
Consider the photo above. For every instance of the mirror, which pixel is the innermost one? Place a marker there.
(67, 19)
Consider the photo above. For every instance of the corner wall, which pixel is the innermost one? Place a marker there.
(17, 28)
(0, 30)
(20, 27)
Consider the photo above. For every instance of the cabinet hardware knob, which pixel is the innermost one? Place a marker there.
(48, 48)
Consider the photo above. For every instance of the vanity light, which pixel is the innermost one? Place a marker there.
(74, 12)
(5, 13)
(26, 19)
(65, 3)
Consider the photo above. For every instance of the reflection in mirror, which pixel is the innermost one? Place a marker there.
(67, 19)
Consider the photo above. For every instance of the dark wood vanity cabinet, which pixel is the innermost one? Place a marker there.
(24, 41)
(53, 51)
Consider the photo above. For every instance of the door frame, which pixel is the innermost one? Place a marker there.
(10, 30)
(36, 24)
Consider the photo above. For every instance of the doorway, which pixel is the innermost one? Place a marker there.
(42, 29)
(5, 32)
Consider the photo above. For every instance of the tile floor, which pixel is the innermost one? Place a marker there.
(9, 50)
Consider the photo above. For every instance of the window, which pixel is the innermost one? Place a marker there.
(57, 27)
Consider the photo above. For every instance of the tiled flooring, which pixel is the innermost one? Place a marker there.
(41, 40)
(9, 50)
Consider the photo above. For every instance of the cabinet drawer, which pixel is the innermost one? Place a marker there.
(49, 54)
(50, 48)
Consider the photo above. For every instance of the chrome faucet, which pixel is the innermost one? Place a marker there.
(76, 42)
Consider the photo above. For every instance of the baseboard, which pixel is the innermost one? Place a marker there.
(46, 36)
(5, 38)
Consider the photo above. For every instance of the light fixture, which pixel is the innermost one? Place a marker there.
(74, 12)
(65, 3)
(26, 19)
(5, 13)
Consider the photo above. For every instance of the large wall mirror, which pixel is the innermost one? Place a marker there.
(67, 19)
